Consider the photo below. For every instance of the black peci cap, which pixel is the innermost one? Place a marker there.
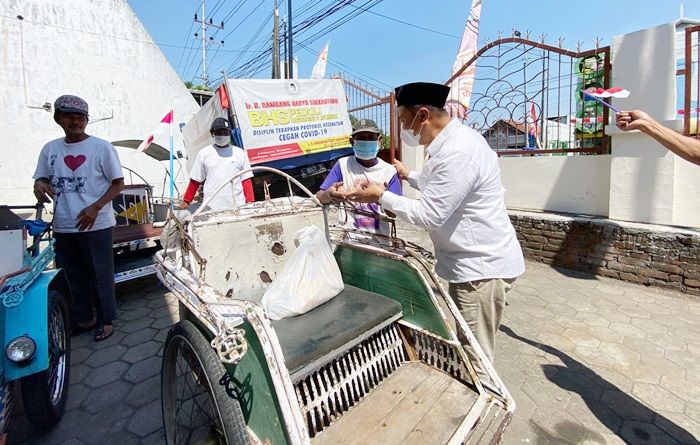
(220, 123)
(422, 93)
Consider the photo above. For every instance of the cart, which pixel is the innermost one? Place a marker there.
(382, 362)
(34, 321)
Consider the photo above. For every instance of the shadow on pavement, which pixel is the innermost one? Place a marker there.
(641, 432)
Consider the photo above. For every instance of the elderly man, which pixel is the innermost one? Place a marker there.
(363, 166)
(214, 165)
(82, 174)
(461, 205)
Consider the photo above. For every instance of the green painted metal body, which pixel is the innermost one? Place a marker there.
(393, 279)
(255, 390)
(389, 277)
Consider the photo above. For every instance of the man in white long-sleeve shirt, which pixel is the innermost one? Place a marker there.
(462, 206)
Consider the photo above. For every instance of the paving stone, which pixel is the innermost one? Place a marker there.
(594, 414)
(79, 354)
(605, 334)
(638, 372)
(106, 396)
(636, 432)
(99, 426)
(162, 334)
(557, 341)
(678, 426)
(136, 325)
(628, 330)
(143, 370)
(77, 394)
(626, 406)
(650, 326)
(147, 420)
(105, 356)
(633, 311)
(157, 438)
(685, 359)
(135, 314)
(145, 392)
(593, 319)
(139, 337)
(105, 374)
(164, 322)
(658, 397)
(167, 311)
(141, 352)
(78, 373)
(594, 357)
(581, 338)
(621, 353)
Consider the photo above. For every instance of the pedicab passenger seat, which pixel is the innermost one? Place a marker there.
(316, 337)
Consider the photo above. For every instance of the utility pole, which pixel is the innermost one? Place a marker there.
(283, 51)
(204, 25)
(290, 51)
(276, 45)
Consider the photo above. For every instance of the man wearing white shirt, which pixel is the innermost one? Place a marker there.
(462, 206)
(215, 165)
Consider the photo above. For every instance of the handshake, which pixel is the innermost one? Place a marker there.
(363, 192)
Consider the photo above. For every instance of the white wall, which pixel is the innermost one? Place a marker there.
(96, 49)
(686, 199)
(571, 184)
(642, 186)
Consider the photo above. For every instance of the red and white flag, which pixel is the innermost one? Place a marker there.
(618, 93)
(534, 128)
(164, 127)
(461, 87)
(319, 71)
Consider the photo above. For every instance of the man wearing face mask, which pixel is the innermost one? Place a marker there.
(216, 164)
(462, 206)
(363, 166)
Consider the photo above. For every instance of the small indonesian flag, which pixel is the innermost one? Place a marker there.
(162, 128)
(618, 93)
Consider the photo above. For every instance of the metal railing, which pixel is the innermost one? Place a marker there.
(527, 98)
(364, 102)
(691, 90)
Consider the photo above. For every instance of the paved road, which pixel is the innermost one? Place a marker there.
(588, 360)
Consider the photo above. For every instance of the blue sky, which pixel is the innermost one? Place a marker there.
(388, 53)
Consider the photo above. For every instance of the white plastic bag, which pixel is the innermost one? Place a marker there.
(308, 279)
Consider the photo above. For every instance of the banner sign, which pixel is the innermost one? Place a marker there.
(285, 118)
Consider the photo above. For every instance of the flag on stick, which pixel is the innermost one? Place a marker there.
(461, 86)
(162, 128)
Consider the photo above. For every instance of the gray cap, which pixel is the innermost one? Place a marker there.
(363, 125)
(220, 123)
(71, 104)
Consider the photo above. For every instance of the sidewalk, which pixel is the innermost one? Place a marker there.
(588, 360)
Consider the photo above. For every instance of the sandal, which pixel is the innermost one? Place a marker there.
(101, 335)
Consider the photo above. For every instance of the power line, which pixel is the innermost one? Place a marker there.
(413, 25)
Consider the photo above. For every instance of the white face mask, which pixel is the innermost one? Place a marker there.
(409, 136)
(222, 141)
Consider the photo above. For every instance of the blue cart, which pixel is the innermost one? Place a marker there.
(34, 320)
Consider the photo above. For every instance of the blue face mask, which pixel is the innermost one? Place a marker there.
(365, 150)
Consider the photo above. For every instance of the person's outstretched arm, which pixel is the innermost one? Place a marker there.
(685, 147)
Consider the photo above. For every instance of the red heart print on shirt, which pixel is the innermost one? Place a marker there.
(73, 162)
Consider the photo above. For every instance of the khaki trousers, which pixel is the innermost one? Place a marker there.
(481, 304)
